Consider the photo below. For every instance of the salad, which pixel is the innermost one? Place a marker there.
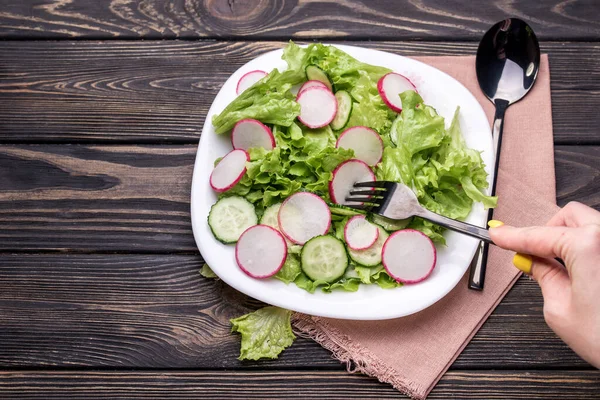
(302, 138)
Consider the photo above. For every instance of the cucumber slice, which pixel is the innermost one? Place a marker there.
(344, 108)
(370, 257)
(230, 217)
(324, 259)
(269, 217)
(390, 225)
(314, 73)
(338, 209)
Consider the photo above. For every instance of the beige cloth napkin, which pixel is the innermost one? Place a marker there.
(412, 353)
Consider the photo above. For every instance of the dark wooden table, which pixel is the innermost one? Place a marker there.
(101, 107)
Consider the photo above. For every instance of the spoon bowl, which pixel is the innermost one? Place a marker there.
(508, 61)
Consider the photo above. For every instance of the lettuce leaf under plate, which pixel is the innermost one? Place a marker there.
(265, 332)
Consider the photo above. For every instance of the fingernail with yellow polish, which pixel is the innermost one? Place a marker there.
(495, 223)
(523, 262)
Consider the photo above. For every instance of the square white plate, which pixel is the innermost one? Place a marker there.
(370, 302)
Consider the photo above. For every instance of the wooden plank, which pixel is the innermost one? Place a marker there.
(156, 311)
(291, 384)
(136, 198)
(108, 198)
(160, 92)
(259, 19)
(577, 174)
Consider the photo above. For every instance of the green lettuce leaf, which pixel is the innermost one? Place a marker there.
(377, 275)
(304, 282)
(290, 270)
(294, 249)
(342, 69)
(345, 284)
(338, 228)
(269, 101)
(265, 333)
(417, 128)
(207, 272)
(433, 231)
(435, 162)
(346, 73)
(367, 114)
(304, 159)
(384, 280)
(365, 273)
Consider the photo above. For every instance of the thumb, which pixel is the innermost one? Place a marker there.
(552, 278)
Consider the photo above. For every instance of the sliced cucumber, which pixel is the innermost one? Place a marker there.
(370, 257)
(338, 209)
(324, 259)
(269, 217)
(390, 225)
(314, 73)
(344, 107)
(230, 217)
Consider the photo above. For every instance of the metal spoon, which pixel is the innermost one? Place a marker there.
(507, 63)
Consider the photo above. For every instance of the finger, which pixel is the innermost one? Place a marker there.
(540, 241)
(574, 215)
(552, 278)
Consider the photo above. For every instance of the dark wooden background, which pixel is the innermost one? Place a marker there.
(101, 107)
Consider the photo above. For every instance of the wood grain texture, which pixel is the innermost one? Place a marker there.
(272, 19)
(160, 92)
(131, 198)
(578, 174)
(136, 198)
(292, 384)
(156, 311)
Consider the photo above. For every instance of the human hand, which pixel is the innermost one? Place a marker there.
(571, 294)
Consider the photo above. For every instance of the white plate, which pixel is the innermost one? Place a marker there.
(370, 302)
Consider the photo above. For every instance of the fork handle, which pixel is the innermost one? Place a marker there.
(457, 226)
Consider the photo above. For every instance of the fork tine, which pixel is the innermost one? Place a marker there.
(362, 199)
(366, 193)
(375, 184)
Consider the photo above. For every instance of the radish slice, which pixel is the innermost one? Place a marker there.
(409, 256)
(359, 233)
(390, 86)
(365, 142)
(229, 170)
(317, 107)
(345, 176)
(261, 251)
(303, 216)
(309, 84)
(249, 79)
(249, 133)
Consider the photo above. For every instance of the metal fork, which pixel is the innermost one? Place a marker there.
(397, 201)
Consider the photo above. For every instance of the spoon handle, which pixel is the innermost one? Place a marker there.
(479, 263)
